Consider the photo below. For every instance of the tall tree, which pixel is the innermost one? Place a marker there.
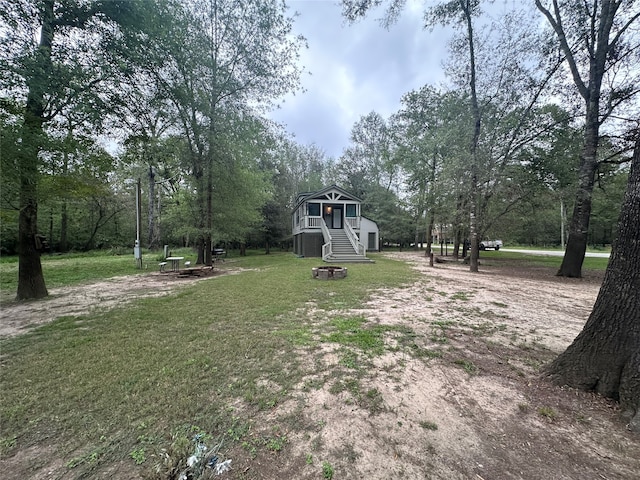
(64, 64)
(426, 130)
(370, 152)
(462, 15)
(222, 56)
(594, 39)
(605, 356)
(452, 11)
(30, 278)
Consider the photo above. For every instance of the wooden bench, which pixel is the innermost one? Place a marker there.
(162, 266)
(194, 271)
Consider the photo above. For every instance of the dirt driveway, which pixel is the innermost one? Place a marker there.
(473, 406)
(469, 404)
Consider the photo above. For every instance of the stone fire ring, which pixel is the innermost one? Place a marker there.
(328, 272)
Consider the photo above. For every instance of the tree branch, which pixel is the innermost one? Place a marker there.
(559, 29)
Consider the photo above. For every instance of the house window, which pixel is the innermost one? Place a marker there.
(351, 210)
(314, 209)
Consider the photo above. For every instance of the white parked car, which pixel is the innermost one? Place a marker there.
(495, 244)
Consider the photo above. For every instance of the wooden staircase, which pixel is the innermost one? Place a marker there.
(342, 251)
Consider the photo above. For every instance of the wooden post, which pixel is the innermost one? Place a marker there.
(431, 259)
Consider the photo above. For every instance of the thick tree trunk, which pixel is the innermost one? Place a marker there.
(30, 278)
(200, 241)
(598, 45)
(605, 356)
(200, 247)
(579, 227)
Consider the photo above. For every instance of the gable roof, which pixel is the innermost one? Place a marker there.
(330, 193)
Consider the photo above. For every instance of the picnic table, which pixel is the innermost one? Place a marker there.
(218, 254)
(175, 263)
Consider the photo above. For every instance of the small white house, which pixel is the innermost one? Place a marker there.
(329, 224)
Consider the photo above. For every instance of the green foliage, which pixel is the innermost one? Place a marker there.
(327, 470)
(138, 455)
(547, 412)
(467, 365)
(427, 425)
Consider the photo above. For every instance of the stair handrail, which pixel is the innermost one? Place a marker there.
(327, 250)
(359, 248)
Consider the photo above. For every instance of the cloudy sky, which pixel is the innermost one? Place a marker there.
(355, 69)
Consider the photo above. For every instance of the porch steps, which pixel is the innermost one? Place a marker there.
(343, 251)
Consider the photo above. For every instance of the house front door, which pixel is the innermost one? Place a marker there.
(336, 221)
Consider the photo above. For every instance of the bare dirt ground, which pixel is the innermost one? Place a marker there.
(479, 411)
(17, 317)
(469, 404)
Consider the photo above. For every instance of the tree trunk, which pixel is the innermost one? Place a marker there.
(605, 356)
(157, 232)
(64, 226)
(30, 278)
(473, 150)
(50, 225)
(579, 227)
(64, 218)
(200, 248)
(460, 230)
(456, 244)
(429, 234)
(208, 258)
(599, 47)
(151, 207)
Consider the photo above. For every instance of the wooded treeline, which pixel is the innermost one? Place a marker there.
(96, 95)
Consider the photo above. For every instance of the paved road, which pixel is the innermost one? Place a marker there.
(553, 253)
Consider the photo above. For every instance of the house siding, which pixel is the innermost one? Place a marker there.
(366, 227)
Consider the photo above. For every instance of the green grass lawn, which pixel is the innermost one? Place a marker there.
(119, 385)
(590, 248)
(77, 268)
(72, 269)
(116, 385)
(590, 263)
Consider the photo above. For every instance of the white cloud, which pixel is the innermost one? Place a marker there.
(356, 69)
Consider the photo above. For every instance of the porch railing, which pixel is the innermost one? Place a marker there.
(327, 250)
(313, 222)
(353, 238)
(353, 222)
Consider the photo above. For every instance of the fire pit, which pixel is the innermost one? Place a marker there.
(328, 272)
